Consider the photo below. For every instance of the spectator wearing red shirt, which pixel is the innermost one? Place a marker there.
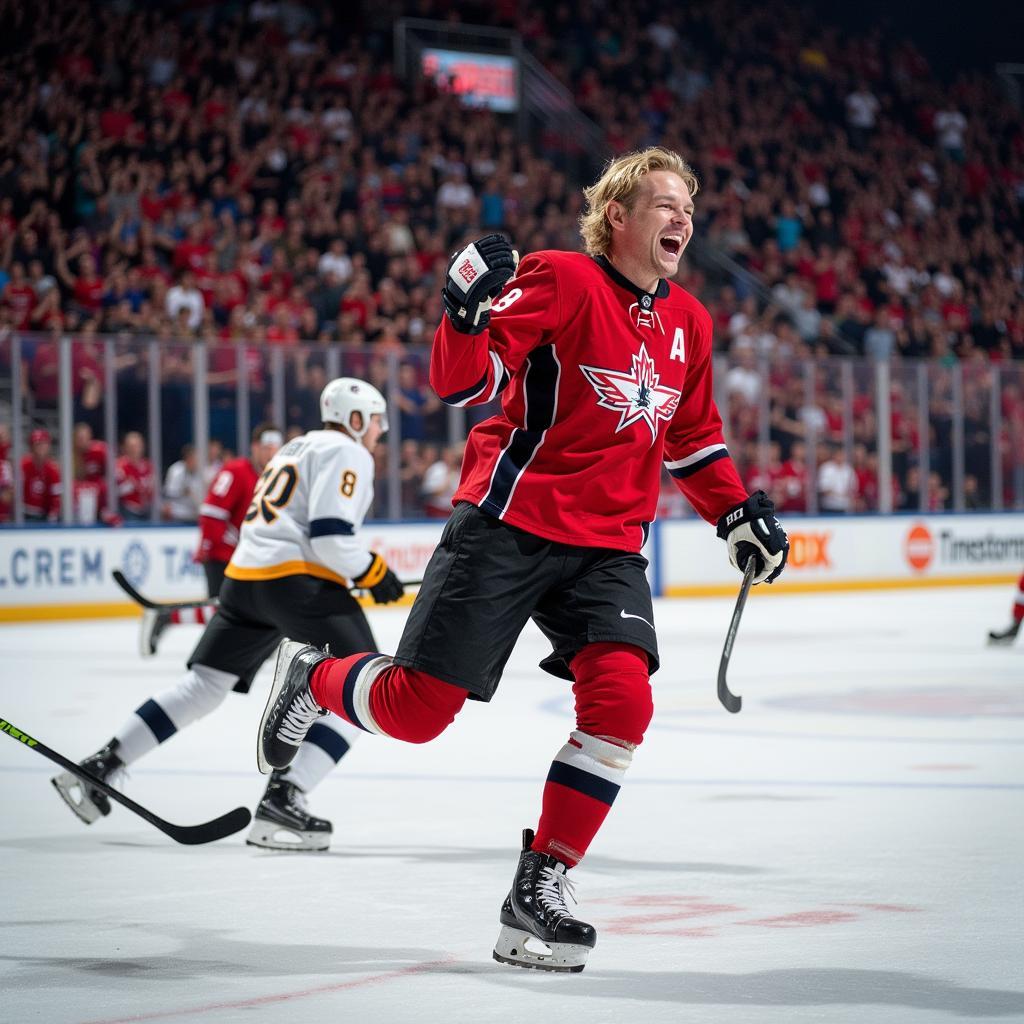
(792, 481)
(135, 480)
(116, 122)
(6, 490)
(19, 298)
(90, 455)
(87, 286)
(40, 477)
(43, 374)
(281, 331)
(191, 252)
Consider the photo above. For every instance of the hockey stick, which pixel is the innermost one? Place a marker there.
(730, 701)
(167, 606)
(188, 835)
(170, 606)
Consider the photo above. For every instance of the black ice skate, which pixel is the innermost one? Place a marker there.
(154, 622)
(1006, 636)
(89, 803)
(537, 929)
(290, 709)
(283, 821)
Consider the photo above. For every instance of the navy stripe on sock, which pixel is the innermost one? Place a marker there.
(349, 686)
(156, 718)
(583, 782)
(332, 743)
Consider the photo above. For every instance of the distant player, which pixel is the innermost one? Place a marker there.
(40, 475)
(1006, 637)
(220, 519)
(289, 575)
(604, 368)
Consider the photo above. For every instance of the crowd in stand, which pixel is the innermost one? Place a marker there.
(260, 176)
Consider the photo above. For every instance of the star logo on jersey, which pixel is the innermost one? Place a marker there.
(636, 395)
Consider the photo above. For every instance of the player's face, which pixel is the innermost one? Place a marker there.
(263, 453)
(373, 432)
(661, 223)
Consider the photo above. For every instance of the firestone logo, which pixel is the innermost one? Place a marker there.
(919, 547)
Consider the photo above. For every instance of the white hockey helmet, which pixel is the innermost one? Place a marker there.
(346, 395)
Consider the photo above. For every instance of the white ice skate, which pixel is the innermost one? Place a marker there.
(283, 822)
(89, 803)
(537, 929)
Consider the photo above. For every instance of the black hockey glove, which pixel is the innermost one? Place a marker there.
(381, 582)
(476, 275)
(752, 531)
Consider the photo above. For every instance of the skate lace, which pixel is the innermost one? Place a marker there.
(302, 713)
(552, 888)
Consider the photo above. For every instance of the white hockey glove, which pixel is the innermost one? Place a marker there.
(752, 531)
(476, 276)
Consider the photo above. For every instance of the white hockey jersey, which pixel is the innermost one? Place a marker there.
(306, 512)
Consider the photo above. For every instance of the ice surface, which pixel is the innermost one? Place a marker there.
(847, 849)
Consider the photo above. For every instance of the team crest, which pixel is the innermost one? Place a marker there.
(636, 395)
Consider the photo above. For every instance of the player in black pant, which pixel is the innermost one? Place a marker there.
(289, 576)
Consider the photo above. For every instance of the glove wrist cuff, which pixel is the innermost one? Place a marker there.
(374, 574)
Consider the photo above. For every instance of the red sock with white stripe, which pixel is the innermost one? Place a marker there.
(199, 615)
(581, 787)
(371, 693)
(613, 709)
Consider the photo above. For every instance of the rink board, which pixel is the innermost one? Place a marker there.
(53, 572)
(855, 553)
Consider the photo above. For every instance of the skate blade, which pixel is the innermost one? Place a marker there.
(519, 948)
(72, 792)
(269, 836)
(285, 652)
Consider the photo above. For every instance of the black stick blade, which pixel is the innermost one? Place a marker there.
(210, 831)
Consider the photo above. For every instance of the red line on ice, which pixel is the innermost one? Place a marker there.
(281, 997)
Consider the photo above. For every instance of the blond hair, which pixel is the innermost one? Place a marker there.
(620, 182)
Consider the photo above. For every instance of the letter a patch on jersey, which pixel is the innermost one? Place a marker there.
(637, 395)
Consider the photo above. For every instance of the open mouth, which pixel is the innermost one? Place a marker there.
(672, 245)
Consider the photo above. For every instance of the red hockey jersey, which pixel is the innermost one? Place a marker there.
(135, 485)
(601, 383)
(40, 488)
(220, 515)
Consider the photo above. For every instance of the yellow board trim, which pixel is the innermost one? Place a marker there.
(825, 586)
(49, 612)
(276, 572)
(57, 612)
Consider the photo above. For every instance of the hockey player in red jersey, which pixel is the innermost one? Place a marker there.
(1005, 637)
(134, 474)
(40, 480)
(220, 519)
(604, 371)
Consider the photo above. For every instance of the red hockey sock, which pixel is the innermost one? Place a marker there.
(402, 703)
(189, 616)
(613, 708)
